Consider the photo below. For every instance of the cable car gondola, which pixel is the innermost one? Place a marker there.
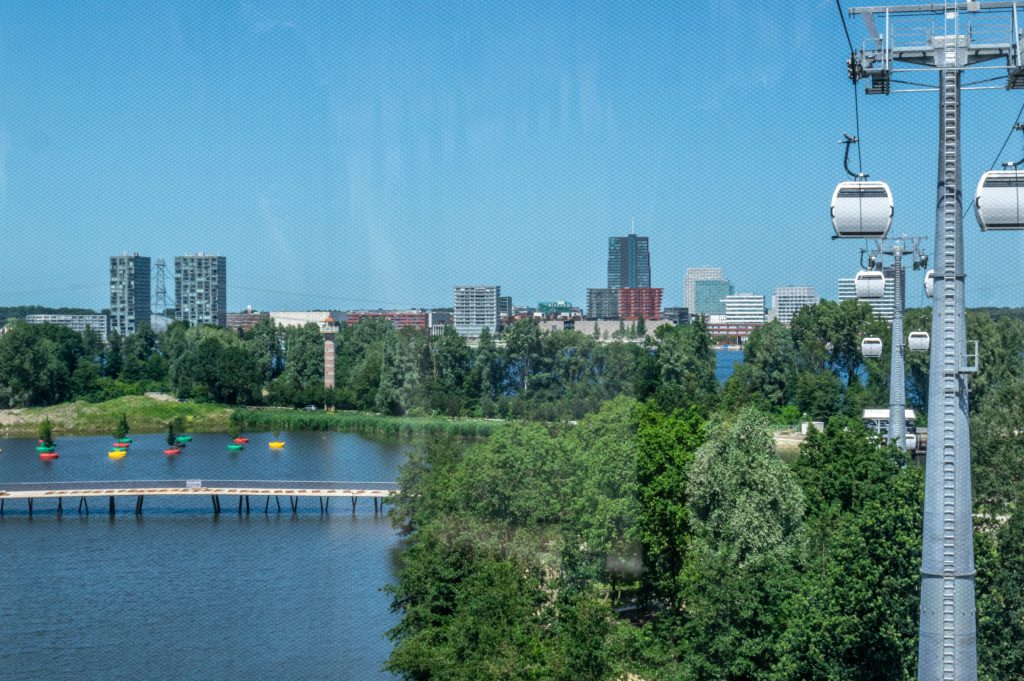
(871, 347)
(911, 442)
(919, 341)
(929, 283)
(862, 210)
(869, 284)
(999, 200)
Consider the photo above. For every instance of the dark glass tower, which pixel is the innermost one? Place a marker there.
(629, 262)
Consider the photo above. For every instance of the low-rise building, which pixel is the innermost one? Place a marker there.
(676, 315)
(245, 320)
(76, 322)
(744, 308)
(400, 319)
(301, 317)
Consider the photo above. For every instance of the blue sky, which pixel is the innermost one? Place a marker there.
(367, 154)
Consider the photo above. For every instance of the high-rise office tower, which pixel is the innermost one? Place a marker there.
(629, 262)
(709, 296)
(201, 289)
(693, 275)
(129, 292)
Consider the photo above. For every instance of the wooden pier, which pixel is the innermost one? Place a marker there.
(245, 490)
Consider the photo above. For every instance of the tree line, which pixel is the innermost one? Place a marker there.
(524, 374)
(812, 369)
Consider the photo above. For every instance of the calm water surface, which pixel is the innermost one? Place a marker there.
(181, 593)
(725, 361)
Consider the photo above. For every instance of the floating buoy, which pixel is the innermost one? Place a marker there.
(241, 440)
(44, 448)
(184, 438)
(121, 445)
(172, 451)
(235, 448)
(277, 444)
(116, 453)
(49, 456)
(126, 440)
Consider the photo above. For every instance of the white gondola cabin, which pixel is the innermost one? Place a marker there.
(869, 284)
(929, 283)
(919, 341)
(871, 347)
(911, 442)
(862, 210)
(999, 200)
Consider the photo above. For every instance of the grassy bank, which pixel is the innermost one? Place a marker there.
(150, 414)
(359, 422)
(145, 415)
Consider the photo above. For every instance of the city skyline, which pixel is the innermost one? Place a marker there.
(422, 163)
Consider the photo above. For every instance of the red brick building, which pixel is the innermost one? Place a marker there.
(635, 303)
(400, 318)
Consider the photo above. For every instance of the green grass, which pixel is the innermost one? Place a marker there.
(145, 415)
(359, 422)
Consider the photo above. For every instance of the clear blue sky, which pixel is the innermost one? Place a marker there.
(350, 154)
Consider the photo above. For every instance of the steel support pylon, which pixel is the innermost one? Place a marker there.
(897, 392)
(948, 648)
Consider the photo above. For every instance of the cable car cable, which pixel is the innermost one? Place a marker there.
(854, 77)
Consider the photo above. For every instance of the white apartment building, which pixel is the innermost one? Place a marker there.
(476, 308)
(744, 308)
(788, 299)
(75, 322)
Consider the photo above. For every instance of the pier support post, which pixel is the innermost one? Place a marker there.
(138, 505)
(247, 504)
(1, 506)
(60, 506)
(375, 502)
(239, 504)
(266, 507)
(112, 510)
(321, 505)
(278, 500)
(353, 505)
(295, 504)
(327, 505)
(30, 506)
(80, 500)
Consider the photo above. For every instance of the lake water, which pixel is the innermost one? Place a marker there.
(725, 361)
(181, 593)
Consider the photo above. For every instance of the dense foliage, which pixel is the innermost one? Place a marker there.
(644, 545)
